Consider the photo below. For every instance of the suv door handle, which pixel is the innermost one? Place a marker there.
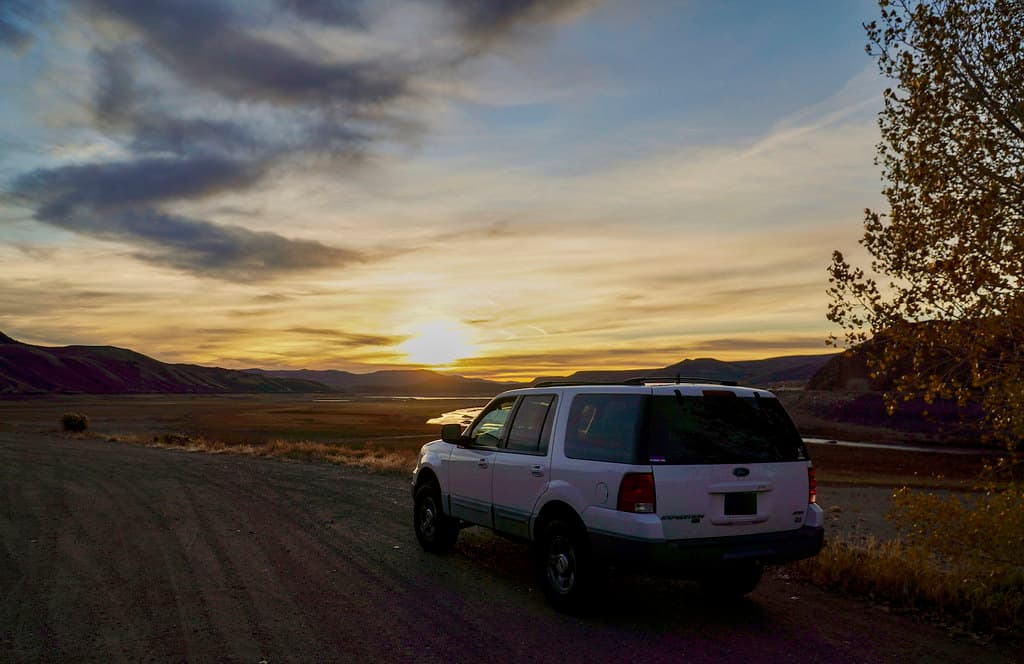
(537, 471)
(482, 463)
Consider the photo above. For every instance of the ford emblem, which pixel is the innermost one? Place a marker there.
(740, 472)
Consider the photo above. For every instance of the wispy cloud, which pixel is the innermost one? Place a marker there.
(349, 338)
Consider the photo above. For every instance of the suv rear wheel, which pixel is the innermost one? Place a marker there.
(435, 530)
(564, 568)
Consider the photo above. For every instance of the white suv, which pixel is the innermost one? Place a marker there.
(710, 481)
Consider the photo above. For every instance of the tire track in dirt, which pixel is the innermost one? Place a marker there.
(360, 571)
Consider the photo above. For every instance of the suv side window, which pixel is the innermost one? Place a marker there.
(604, 427)
(490, 426)
(531, 427)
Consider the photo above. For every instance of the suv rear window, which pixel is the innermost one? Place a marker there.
(720, 427)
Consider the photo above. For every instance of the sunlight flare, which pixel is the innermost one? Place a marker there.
(438, 343)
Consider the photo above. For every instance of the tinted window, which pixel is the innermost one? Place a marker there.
(721, 428)
(489, 428)
(531, 428)
(604, 427)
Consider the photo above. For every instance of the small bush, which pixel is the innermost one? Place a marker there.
(960, 557)
(74, 422)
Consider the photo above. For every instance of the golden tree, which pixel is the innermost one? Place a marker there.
(943, 299)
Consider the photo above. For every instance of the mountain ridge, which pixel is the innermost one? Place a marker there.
(772, 371)
(31, 369)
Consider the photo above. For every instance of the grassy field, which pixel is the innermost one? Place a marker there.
(382, 434)
(306, 425)
(283, 422)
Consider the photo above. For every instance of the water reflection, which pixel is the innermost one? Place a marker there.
(461, 416)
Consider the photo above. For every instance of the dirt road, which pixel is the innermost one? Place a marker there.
(113, 552)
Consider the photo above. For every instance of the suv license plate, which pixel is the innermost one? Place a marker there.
(740, 503)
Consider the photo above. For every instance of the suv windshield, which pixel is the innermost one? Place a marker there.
(720, 427)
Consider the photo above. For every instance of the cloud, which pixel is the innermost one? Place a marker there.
(225, 252)
(756, 344)
(70, 190)
(349, 338)
(204, 98)
(332, 12)
(116, 201)
(207, 44)
(481, 22)
(15, 18)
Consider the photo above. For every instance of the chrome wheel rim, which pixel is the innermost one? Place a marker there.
(427, 518)
(561, 565)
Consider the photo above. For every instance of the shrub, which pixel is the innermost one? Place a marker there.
(960, 557)
(74, 422)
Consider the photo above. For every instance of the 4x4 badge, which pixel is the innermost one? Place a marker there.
(740, 472)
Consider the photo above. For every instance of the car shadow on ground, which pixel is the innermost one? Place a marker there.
(649, 602)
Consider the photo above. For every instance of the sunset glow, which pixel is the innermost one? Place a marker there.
(437, 344)
(521, 189)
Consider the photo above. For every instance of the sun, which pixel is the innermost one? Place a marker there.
(438, 343)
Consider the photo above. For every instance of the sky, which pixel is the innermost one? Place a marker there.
(503, 189)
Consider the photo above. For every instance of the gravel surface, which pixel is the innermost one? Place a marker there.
(110, 552)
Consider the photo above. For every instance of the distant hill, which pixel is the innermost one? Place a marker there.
(775, 371)
(28, 369)
(420, 382)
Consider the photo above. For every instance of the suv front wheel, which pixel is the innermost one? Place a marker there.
(435, 530)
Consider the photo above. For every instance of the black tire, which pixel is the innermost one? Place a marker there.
(564, 567)
(435, 530)
(733, 581)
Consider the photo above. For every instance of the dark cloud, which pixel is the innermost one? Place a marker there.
(72, 190)
(115, 85)
(118, 106)
(116, 201)
(485, 20)
(16, 17)
(332, 12)
(208, 45)
(225, 252)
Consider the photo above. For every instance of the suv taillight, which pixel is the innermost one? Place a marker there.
(636, 493)
(812, 486)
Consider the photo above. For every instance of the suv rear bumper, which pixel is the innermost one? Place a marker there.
(690, 557)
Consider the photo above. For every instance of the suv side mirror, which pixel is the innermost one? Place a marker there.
(452, 433)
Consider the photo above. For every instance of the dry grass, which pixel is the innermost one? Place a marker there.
(373, 458)
(905, 576)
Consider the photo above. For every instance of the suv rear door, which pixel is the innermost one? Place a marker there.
(725, 462)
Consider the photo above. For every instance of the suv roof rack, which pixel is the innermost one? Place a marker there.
(639, 380)
(572, 383)
(677, 379)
